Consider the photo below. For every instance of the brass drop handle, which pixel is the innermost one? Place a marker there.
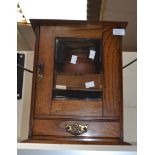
(40, 72)
(76, 129)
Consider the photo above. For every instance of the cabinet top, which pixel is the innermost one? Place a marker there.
(49, 22)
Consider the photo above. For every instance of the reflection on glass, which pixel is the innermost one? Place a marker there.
(78, 69)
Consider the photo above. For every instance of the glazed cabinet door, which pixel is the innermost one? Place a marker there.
(65, 89)
(110, 79)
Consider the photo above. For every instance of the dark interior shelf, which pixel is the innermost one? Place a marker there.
(77, 94)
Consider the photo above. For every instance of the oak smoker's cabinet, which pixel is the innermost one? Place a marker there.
(77, 83)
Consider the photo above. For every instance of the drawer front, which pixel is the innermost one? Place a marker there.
(57, 128)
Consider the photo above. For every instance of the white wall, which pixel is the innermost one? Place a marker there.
(54, 9)
(23, 104)
(130, 97)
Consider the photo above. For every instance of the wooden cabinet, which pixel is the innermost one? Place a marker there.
(77, 83)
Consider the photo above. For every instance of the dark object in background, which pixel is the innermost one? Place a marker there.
(20, 61)
(93, 10)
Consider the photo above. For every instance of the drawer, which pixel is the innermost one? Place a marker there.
(57, 128)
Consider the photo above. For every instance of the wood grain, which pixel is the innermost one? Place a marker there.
(78, 140)
(45, 57)
(77, 82)
(76, 118)
(57, 128)
(87, 31)
(77, 107)
(72, 23)
(112, 77)
(32, 109)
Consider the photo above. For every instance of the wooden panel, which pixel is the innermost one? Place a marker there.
(37, 31)
(78, 27)
(57, 128)
(76, 140)
(77, 82)
(79, 23)
(79, 31)
(76, 118)
(77, 107)
(45, 57)
(112, 71)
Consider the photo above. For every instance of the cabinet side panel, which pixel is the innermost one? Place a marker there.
(37, 32)
(46, 58)
(112, 73)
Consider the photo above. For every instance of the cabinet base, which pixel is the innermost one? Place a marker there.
(77, 140)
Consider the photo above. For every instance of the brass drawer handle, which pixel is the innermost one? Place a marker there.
(76, 129)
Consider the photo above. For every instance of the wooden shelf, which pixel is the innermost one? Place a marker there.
(82, 89)
(77, 82)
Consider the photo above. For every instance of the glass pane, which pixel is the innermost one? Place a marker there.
(78, 72)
